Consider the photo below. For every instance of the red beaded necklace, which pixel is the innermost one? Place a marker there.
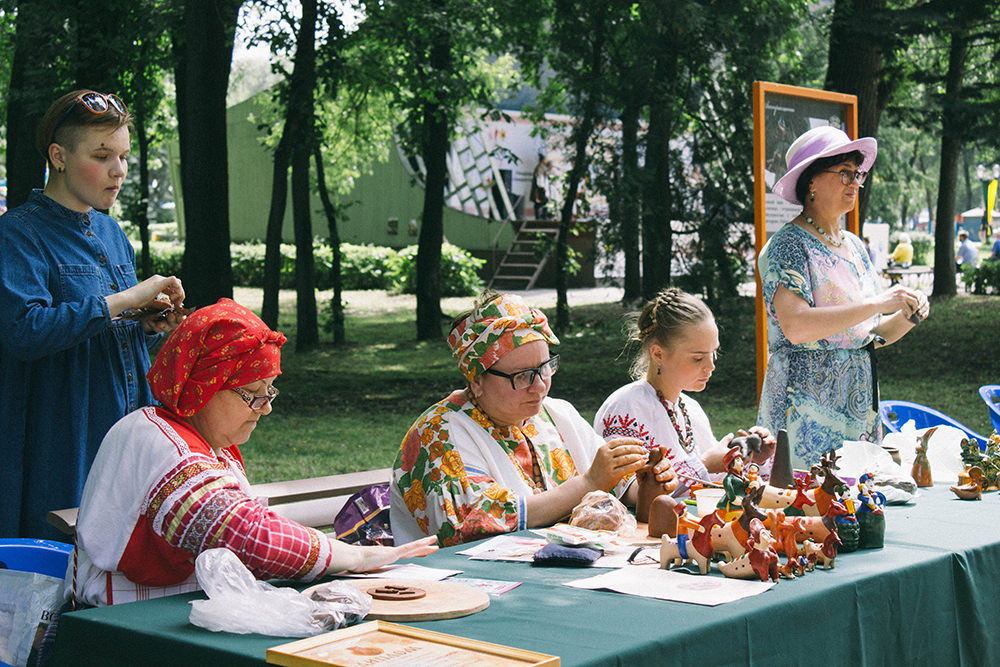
(686, 438)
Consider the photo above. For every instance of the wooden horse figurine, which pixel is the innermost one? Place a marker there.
(730, 538)
(785, 530)
(693, 542)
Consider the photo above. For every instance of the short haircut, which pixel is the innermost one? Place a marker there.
(61, 123)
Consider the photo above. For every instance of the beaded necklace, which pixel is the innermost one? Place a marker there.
(829, 238)
(686, 438)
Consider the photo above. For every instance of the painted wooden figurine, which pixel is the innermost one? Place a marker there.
(870, 512)
(921, 471)
(973, 489)
(734, 484)
(760, 560)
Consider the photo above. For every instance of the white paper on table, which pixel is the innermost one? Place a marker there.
(700, 589)
(504, 547)
(403, 571)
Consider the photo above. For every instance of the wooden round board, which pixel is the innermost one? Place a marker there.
(444, 599)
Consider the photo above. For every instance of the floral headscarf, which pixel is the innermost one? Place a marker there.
(492, 331)
(216, 347)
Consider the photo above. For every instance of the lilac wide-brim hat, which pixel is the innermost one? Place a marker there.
(818, 142)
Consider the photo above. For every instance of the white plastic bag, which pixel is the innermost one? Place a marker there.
(27, 602)
(241, 604)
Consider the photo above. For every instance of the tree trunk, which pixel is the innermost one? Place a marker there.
(855, 68)
(275, 221)
(657, 233)
(631, 198)
(303, 102)
(436, 131)
(141, 218)
(337, 281)
(202, 82)
(35, 83)
(951, 145)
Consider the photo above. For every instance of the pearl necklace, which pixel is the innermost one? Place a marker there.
(829, 238)
(686, 438)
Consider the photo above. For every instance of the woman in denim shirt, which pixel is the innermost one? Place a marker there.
(74, 338)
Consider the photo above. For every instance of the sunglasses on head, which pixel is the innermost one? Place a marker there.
(95, 103)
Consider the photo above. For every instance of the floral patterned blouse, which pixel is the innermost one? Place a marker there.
(821, 391)
(458, 476)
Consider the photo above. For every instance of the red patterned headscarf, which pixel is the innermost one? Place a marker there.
(216, 347)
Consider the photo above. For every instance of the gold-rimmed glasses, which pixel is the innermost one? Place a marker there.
(256, 402)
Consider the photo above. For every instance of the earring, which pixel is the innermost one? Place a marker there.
(59, 169)
(812, 196)
(657, 369)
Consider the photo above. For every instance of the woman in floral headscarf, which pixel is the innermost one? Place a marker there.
(500, 455)
(168, 481)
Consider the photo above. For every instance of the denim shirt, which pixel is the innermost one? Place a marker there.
(67, 371)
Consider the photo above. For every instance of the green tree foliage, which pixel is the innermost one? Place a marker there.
(430, 55)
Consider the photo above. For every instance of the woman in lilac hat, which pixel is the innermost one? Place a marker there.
(825, 309)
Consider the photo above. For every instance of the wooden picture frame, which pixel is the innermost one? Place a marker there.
(400, 646)
(780, 114)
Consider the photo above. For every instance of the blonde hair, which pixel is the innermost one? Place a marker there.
(662, 321)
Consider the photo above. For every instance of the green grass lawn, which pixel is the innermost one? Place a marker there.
(346, 409)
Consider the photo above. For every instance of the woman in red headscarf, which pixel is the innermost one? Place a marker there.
(168, 481)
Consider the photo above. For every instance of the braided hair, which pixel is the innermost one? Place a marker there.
(661, 321)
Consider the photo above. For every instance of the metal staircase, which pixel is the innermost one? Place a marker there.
(523, 263)
(473, 172)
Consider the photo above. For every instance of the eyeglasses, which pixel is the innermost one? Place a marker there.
(847, 177)
(526, 378)
(96, 103)
(256, 402)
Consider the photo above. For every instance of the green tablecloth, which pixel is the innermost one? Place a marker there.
(930, 597)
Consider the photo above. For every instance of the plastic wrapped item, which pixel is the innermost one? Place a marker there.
(27, 602)
(599, 510)
(241, 604)
(856, 458)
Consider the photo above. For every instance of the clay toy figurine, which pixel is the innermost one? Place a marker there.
(973, 490)
(753, 476)
(921, 472)
(784, 530)
(987, 461)
(816, 501)
(729, 538)
(870, 514)
(734, 483)
(760, 560)
(649, 488)
(825, 553)
(692, 543)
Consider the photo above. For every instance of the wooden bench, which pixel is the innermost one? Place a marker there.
(312, 502)
(897, 273)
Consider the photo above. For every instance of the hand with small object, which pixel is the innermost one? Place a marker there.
(157, 303)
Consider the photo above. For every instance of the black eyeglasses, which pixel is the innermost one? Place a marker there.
(96, 103)
(847, 176)
(256, 402)
(526, 378)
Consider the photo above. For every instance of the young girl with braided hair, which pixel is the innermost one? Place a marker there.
(678, 341)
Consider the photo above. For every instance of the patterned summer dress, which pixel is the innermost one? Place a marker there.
(820, 392)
